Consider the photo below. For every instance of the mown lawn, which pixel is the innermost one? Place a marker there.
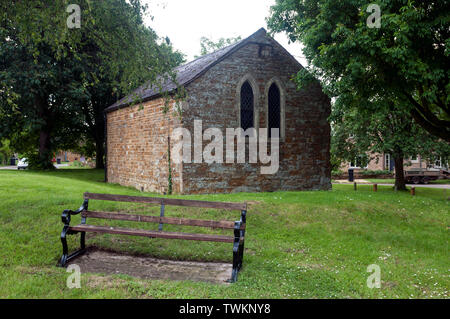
(298, 244)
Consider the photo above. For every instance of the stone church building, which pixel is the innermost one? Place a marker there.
(247, 84)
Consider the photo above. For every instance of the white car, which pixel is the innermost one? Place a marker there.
(22, 163)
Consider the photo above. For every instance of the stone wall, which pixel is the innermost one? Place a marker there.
(137, 147)
(304, 150)
(137, 136)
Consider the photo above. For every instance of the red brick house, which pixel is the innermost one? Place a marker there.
(68, 156)
(247, 84)
(385, 162)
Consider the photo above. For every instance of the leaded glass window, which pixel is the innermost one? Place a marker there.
(247, 111)
(274, 115)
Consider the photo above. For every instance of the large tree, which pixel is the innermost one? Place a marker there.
(37, 109)
(406, 57)
(56, 81)
(361, 132)
(140, 57)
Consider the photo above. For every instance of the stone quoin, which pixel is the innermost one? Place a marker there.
(247, 84)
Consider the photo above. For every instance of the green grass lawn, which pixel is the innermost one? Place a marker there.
(74, 165)
(298, 244)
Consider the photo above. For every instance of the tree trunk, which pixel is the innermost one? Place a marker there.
(400, 183)
(45, 154)
(99, 154)
(44, 158)
(99, 140)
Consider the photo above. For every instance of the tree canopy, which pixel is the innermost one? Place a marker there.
(405, 59)
(208, 46)
(362, 132)
(55, 81)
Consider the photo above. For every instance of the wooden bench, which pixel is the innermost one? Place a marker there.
(238, 227)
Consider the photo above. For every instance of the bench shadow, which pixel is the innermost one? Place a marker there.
(109, 262)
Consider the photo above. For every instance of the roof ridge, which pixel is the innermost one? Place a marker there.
(224, 48)
(185, 74)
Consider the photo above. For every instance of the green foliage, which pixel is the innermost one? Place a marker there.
(336, 161)
(131, 56)
(406, 59)
(87, 147)
(5, 151)
(337, 172)
(208, 46)
(55, 82)
(76, 164)
(39, 161)
(384, 130)
(359, 131)
(375, 172)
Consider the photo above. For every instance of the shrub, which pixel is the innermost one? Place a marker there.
(77, 164)
(337, 172)
(39, 161)
(375, 172)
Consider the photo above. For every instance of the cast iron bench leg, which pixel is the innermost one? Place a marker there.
(83, 241)
(241, 255)
(64, 257)
(83, 234)
(235, 270)
(242, 234)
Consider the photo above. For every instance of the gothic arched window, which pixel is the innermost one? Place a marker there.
(274, 111)
(247, 106)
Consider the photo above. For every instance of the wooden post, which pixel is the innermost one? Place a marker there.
(354, 186)
(413, 191)
(375, 187)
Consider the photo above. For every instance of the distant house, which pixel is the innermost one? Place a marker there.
(68, 156)
(245, 85)
(386, 162)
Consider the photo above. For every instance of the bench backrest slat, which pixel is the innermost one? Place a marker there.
(157, 219)
(167, 201)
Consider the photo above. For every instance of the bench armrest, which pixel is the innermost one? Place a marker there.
(65, 217)
(243, 217)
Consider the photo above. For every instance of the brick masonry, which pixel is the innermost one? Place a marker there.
(137, 135)
(137, 147)
(69, 156)
(378, 162)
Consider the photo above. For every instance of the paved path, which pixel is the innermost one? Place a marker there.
(15, 167)
(8, 167)
(443, 186)
(439, 186)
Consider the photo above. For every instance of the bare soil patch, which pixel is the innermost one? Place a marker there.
(106, 262)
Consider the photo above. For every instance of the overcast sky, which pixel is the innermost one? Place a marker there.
(186, 21)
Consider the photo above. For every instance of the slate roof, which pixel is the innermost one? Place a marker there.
(185, 74)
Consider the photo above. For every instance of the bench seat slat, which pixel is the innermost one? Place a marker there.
(150, 233)
(223, 224)
(166, 201)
